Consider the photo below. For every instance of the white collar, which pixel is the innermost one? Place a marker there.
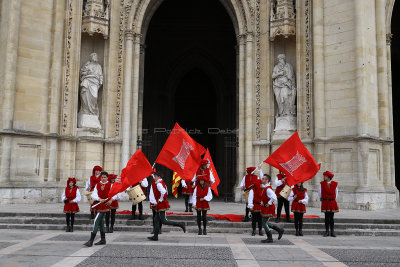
(103, 183)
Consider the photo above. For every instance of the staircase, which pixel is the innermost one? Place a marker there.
(311, 226)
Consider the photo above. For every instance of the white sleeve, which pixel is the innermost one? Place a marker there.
(194, 178)
(87, 188)
(242, 183)
(271, 195)
(277, 181)
(144, 182)
(291, 196)
(151, 196)
(183, 183)
(63, 196)
(336, 191)
(261, 173)
(78, 196)
(209, 195)
(319, 191)
(95, 195)
(162, 190)
(194, 196)
(212, 178)
(250, 204)
(305, 200)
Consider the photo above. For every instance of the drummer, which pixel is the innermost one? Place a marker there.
(143, 185)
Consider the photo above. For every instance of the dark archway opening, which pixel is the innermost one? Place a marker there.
(395, 52)
(190, 78)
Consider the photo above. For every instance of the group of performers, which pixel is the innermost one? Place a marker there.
(258, 193)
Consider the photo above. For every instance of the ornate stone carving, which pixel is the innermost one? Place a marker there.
(91, 76)
(389, 39)
(258, 69)
(282, 18)
(120, 68)
(67, 64)
(308, 63)
(95, 17)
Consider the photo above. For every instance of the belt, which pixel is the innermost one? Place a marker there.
(328, 199)
(259, 203)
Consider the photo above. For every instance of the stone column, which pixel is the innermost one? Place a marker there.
(135, 93)
(126, 115)
(249, 155)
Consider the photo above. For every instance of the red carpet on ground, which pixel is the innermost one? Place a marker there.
(229, 217)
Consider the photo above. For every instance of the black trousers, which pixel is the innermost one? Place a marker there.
(154, 224)
(256, 218)
(298, 220)
(283, 202)
(329, 220)
(202, 216)
(161, 217)
(140, 208)
(70, 218)
(187, 201)
(112, 215)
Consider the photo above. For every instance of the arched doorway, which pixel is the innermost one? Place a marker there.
(190, 78)
(395, 63)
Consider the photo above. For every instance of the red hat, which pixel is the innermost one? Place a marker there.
(204, 162)
(329, 174)
(249, 170)
(71, 179)
(96, 168)
(112, 176)
(204, 178)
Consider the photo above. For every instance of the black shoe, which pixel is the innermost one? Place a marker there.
(186, 210)
(153, 238)
(253, 233)
(277, 220)
(326, 233)
(300, 233)
(183, 226)
(107, 229)
(141, 217)
(190, 208)
(71, 229)
(288, 220)
(245, 219)
(269, 239)
(297, 233)
(260, 232)
(281, 231)
(333, 233)
(133, 217)
(204, 231)
(102, 240)
(200, 232)
(111, 229)
(67, 229)
(90, 242)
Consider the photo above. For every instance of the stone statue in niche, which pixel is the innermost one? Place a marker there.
(91, 77)
(284, 86)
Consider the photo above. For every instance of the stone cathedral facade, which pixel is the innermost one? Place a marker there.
(88, 82)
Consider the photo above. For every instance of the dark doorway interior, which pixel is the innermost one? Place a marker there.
(190, 78)
(395, 52)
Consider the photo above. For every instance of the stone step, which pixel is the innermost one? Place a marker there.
(193, 229)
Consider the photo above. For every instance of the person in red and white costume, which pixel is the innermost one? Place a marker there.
(187, 191)
(246, 184)
(71, 198)
(254, 204)
(159, 203)
(91, 183)
(201, 196)
(280, 183)
(143, 185)
(203, 171)
(268, 198)
(299, 198)
(328, 192)
(100, 195)
(113, 207)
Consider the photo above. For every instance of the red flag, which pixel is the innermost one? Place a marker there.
(294, 159)
(137, 168)
(213, 172)
(181, 153)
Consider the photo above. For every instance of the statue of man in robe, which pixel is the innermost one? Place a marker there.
(284, 85)
(91, 77)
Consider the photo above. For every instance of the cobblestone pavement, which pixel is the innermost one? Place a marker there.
(54, 248)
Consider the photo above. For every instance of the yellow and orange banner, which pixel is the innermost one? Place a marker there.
(175, 183)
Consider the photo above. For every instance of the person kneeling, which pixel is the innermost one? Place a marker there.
(201, 196)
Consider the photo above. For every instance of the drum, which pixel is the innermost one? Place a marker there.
(285, 192)
(89, 197)
(136, 194)
(245, 195)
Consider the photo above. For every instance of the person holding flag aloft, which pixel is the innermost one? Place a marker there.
(187, 191)
(201, 196)
(100, 196)
(92, 182)
(299, 198)
(328, 192)
(268, 198)
(113, 207)
(204, 172)
(247, 183)
(158, 201)
(254, 204)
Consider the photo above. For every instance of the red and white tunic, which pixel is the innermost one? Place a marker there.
(204, 173)
(72, 194)
(299, 204)
(187, 187)
(268, 197)
(101, 190)
(158, 196)
(202, 192)
(279, 183)
(254, 201)
(248, 181)
(328, 192)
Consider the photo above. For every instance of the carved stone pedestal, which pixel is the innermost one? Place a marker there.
(88, 121)
(285, 127)
(90, 132)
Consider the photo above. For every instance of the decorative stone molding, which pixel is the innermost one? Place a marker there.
(129, 34)
(308, 63)
(389, 38)
(258, 69)
(95, 17)
(282, 19)
(120, 69)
